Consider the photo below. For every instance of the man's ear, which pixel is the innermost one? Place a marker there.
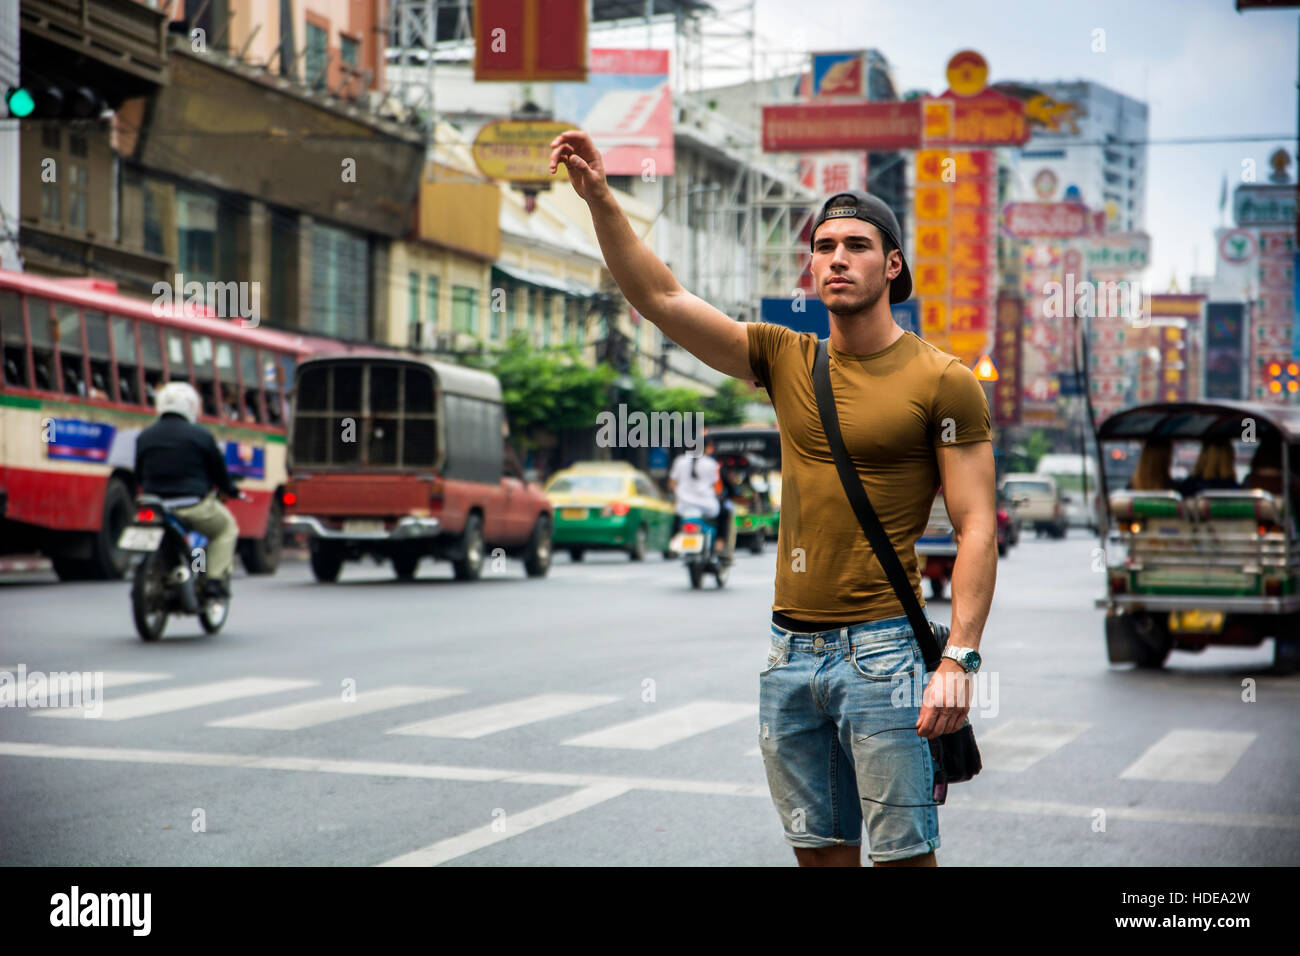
(897, 272)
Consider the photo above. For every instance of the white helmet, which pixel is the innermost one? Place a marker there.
(178, 397)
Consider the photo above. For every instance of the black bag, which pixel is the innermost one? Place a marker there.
(956, 757)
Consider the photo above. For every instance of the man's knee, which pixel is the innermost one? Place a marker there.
(841, 855)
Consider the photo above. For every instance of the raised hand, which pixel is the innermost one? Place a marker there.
(575, 149)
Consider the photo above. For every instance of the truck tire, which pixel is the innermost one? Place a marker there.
(537, 560)
(326, 563)
(404, 565)
(469, 566)
(1152, 642)
(262, 555)
(936, 588)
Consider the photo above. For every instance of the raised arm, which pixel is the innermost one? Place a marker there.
(713, 337)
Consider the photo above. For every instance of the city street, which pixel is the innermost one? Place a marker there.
(604, 715)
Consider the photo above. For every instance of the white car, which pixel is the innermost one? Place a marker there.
(1070, 474)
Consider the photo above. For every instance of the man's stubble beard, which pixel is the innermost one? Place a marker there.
(869, 298)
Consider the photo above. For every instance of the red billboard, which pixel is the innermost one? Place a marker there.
(520, 40)
(1007, 356)
(816, 127)
(1045, 220)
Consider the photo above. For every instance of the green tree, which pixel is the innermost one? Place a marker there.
(546, 390)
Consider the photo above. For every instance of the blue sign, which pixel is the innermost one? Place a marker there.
(810, 315)
(806, 314)
(74, 440)
(906, 314)
(245, 460)
(658, 458)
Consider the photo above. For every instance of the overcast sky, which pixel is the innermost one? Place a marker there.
(1202, 68)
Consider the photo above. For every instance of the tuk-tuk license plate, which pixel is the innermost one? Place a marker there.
(689, 543)
(361, 526)
(574, 514)
(1200, 622)
(140, 539)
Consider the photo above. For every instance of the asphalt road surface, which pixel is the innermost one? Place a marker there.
(604, 715)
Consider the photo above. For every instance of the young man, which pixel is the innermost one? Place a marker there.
(840, 746)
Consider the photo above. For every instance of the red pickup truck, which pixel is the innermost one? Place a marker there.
(402, 458)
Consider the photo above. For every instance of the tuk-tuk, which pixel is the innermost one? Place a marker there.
(756, 516)
(1188, 567)
(757, 451)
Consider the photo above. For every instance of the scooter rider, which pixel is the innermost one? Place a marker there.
(180, 462)
(696, 483)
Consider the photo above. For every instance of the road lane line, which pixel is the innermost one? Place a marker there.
(670, 726)
(1190, 756)
(512, 824)
(8, 692)
(314, 712)
(472, 724)
(365, 768)
(182, 698)
(1017, 745)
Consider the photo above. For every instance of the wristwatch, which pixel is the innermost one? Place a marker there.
(967, 657)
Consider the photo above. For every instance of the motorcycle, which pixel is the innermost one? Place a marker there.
(695, 544)
(165, 580)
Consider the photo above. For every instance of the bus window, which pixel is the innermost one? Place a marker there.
(227, 381)
(178, 357)
(101, 360)
(14, 338)
(70, 353)
(42, 327)
(128, 362)
(201, 354)
(274, 383)
(251, 384)
(151, 358)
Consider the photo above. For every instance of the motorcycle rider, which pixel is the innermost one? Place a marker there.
(181, 463)
(696, 483)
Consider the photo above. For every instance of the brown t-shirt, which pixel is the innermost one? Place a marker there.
(896, 406)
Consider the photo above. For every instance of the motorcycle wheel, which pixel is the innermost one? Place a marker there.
(697, 575)
(148, 598)
(214, 614)
(720, 572)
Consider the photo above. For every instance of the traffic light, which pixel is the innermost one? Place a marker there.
(1283, 378)
(53, 102)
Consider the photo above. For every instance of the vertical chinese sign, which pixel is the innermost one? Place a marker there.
(1007, 357)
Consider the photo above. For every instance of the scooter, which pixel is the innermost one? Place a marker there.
(169, 579)
(695, 544)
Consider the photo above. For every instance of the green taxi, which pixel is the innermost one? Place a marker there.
(608, 506)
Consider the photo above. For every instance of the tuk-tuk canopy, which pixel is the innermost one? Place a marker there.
(1200, 421)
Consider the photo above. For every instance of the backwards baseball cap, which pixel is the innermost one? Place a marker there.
(870, 209)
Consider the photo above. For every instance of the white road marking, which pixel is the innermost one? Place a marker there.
(512, 824)
(1190, 756)
(182, 698)
(670, 726)
(8, 692)
(472, 724)
(1274, 821)
(313, 712)
(1017, 745)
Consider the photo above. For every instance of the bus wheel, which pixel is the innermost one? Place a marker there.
(107, 562)
(262, 555)
(326, 562)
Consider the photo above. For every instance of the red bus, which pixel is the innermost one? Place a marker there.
(79, 370)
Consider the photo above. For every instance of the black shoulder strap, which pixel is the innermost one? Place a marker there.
(875, 532)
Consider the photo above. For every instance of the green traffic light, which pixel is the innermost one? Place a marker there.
(20, 102)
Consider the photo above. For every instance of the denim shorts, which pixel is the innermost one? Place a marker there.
(837, 713)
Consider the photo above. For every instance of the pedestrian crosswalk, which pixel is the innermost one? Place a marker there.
(1178, 755)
